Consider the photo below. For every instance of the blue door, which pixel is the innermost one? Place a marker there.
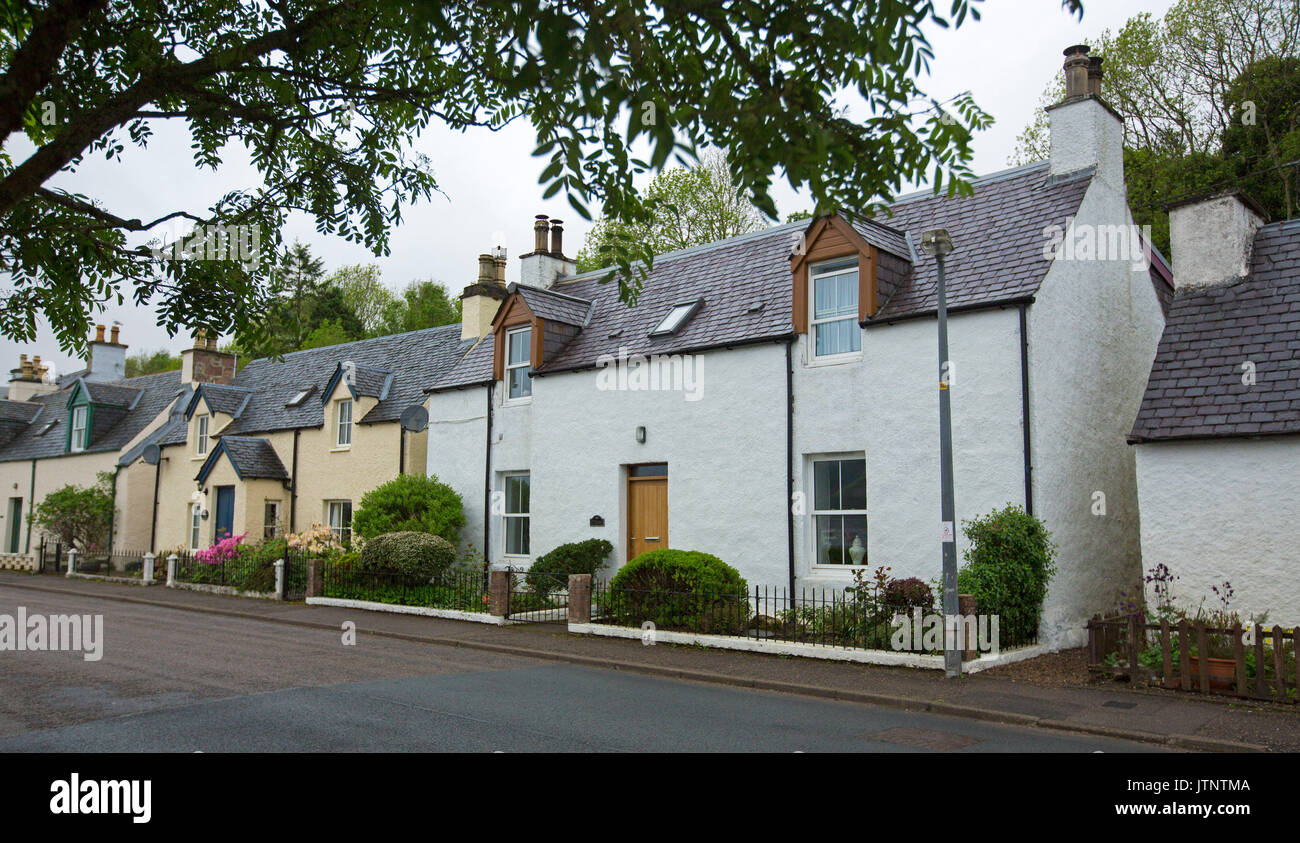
(225, 512)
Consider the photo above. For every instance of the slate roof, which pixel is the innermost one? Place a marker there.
(21, 411)
(221, 398)
(251, 457)
(881, 236)
(172, 431)
(153, 394)
(554, 305)
(415, 359)
(115, 394)
(474, 369)
(1196, 389)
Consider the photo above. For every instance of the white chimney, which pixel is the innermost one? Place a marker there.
(546, 263)
(1213, 238)
(1085, 131)
(107, 360)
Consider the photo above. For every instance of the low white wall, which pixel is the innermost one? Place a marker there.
(426, 611)
(1225, 510)
(17, 562)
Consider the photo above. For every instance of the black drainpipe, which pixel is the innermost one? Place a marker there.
(31, 506)
(153, 525)
(1024, 410)
(113, 518)
(789, 456)
(293, 488)
(401, 451)
(487, 482)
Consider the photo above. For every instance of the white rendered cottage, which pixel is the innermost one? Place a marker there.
(1218, 434)
(792, 428)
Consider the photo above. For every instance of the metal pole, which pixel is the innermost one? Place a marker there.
(951, 655)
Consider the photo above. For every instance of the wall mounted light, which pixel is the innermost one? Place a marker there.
(640, 435)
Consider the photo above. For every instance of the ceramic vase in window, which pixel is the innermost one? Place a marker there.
(857, 550)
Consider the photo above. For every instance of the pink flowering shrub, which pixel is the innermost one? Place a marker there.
(222, 551)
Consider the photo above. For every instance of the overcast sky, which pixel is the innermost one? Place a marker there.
(490, 179)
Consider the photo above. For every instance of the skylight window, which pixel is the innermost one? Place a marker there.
(676, 318)
(48, 427)
(301, 397)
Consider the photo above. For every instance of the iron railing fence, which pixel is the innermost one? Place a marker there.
(538, 596)
(461, 590)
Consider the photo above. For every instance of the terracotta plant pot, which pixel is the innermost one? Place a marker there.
(1223, 673)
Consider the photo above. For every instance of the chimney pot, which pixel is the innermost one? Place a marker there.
(1077, 66)
(487, 272)
(113, 334)
(540, 227)
(499, 264)
(557, 237)
(99, 333)
(1094, 75)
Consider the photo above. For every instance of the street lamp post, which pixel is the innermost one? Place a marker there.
(938, 244)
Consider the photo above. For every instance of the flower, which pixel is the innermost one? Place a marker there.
(221, 552)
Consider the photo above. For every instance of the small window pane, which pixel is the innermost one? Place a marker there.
(517, 493)
(521, 383)
(520, 342)
(826, 485)
(517, 536)
(853, 484)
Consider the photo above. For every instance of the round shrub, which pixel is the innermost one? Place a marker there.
(550, 571)
(904, 594)
(1010, 561)
(422, 556)
(410, 503)
(679, 589)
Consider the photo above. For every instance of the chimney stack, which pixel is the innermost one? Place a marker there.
(1085, 131)
(479, 301)
(1212, 238)
(204, 363)
(28, 379)
(546, 264)
(107, 359)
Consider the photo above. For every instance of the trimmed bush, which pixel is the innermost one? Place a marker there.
(410, 503)
(902, 595)
(550, 570)
(422, 556)
(1010, 561)
(679, 589)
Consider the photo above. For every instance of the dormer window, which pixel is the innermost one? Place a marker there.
(77, 443)
(519, 383)
(201, 436)
(833, 290)
(676, 318)
(344, 414)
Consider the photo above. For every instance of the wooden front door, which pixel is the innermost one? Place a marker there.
(647, 508)
(225, 513)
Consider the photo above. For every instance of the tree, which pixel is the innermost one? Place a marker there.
(423, 304)
(411, 502)
(151, 363)
(364, 295)
(328, 96)
(1264, 134)
(307, 309)
(77, 516)
(689, 207)
(329, 332)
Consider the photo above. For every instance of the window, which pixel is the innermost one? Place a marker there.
(48, 427)
(518, 360)
(839, 518)
(340, 519)
(271, 520)
(676, 318)
(835, 308)
(300, 397)
(345, 423)
(196, 521)
(78, 442)
(201, 436)
(516, 517)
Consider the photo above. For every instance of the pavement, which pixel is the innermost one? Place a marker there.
(289, 674)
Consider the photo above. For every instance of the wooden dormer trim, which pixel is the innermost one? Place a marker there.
(829, 238)
(514, 314)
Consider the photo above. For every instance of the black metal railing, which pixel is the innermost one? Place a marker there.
(462, 590)
(538, 596)
(251, 573)
(823, 617)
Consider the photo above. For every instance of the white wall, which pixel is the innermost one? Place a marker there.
(887, 406)
(1225, 509)
(455, 453)
(1093, 331)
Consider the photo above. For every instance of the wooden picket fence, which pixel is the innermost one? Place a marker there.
(1116, 644)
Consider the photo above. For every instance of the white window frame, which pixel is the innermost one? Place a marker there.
(343, 428)
(506, 516)
(511, 334)
(828, 269)
(80, 421)
(275, 521)
(196, 526)
(342, 535)
(201, 435)
(815, 564)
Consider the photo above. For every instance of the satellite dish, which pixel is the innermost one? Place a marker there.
(152, 453)
(415, 418)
